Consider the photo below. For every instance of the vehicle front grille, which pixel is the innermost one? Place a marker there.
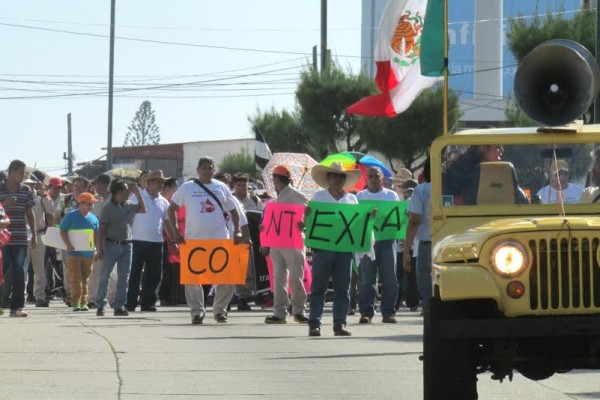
(565, 274)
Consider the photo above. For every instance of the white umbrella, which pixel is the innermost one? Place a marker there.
(300, 165)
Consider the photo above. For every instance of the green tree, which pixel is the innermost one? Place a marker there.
(322, 98)
(407, 136)
(525, 34)
(239, 162)
(515, 117)
(282, 130)
(143, 129)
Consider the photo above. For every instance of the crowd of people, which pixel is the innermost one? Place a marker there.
(138, 227)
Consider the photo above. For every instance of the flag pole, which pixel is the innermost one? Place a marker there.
(445, 67)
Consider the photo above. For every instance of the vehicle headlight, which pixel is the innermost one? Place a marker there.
(509, 258)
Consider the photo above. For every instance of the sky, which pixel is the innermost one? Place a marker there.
(205, 66)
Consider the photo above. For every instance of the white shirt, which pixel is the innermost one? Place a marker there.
(382, 194)
(241, 213)
(149, 225)
(325, 197)
(204, 218)
(420, 202)
(571, 194)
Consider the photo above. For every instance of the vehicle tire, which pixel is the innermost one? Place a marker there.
(448, 365)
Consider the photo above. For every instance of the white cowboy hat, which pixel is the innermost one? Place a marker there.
(403, 175)
(319, 174)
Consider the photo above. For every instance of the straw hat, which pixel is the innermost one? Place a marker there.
(152, 175)
(319, 174)
(403, 174)
(558, 165)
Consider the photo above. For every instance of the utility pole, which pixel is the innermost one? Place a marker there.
(111, 71)
(69, 145)
(323, 35)
(314, 55)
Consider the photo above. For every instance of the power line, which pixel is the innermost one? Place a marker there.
(205, 46)
(179, 28)
(172, 85)
(239, 29)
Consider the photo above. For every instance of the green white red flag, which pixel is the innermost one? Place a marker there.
(397, 57)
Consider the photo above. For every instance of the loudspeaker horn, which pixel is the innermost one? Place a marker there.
(557, 82)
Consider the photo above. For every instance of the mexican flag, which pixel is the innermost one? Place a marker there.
(398, 56)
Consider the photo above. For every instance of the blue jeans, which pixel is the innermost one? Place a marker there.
(385, 263)
(327, 264)
(424, 272)
(13, 264)
(121, 255)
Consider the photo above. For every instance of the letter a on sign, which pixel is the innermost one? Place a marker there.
(213, 262)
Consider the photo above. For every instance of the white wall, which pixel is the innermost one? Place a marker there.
(217, 149)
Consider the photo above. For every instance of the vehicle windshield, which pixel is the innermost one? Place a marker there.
(520, 174)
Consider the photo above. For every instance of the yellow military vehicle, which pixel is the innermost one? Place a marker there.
(516, 239)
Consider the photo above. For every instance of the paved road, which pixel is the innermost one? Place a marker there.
(58, 354)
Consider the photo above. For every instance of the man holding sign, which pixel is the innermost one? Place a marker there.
(381, 258)
(328, 263)
(208, 204)
(286, 259)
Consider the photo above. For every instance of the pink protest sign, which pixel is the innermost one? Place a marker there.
(280, 226)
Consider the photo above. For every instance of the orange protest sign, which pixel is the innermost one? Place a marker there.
(213, 262)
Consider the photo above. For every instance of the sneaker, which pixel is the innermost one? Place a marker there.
(148, 309)
(42, 303)
(365, 319)
(389, 319)
(18, 313)
(30, 299)
(341, 331)
(314, 331)
(301, 318)
(272, 319)
(91, 305)
(100, 312)
(243, 305)
(130, 309)
(351, 311)
(76, 307)
(120, 312)
(84, 307)
(221, 318)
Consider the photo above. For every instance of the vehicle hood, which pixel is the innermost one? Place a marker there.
(466, 247)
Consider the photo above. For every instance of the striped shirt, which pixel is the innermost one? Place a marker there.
(17, 212)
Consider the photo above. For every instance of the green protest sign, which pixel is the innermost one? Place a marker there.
(391, 219)
(339, 227)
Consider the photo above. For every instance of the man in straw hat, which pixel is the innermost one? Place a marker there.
(559, 187)
(285, 260)
(338, 265)
(148, 243)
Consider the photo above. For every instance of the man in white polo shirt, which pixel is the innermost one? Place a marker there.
(147, 237)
